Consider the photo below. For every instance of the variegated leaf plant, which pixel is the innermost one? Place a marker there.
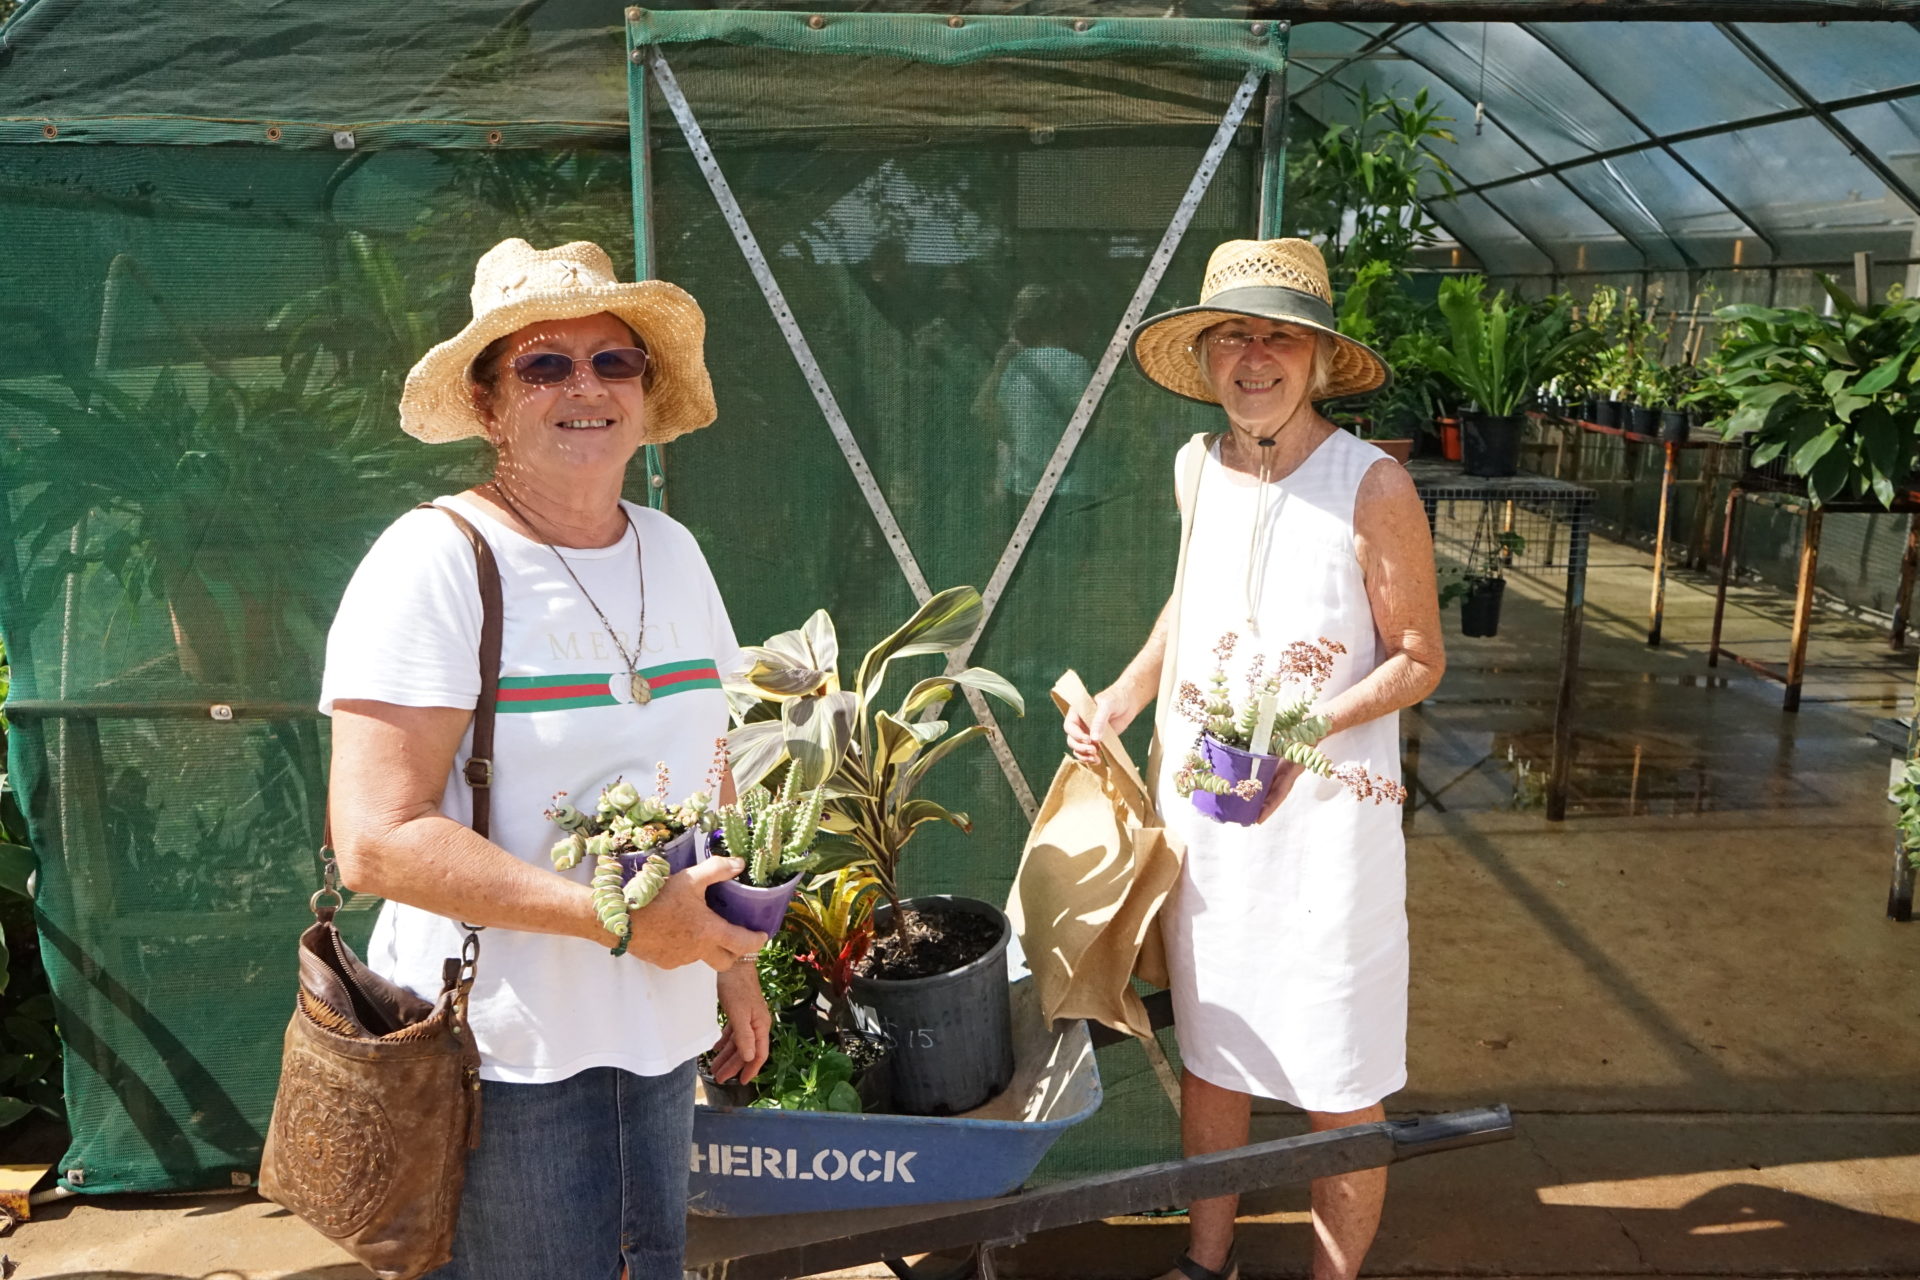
(790, 709)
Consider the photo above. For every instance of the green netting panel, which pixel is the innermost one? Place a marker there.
(204, 351)
(958, 288)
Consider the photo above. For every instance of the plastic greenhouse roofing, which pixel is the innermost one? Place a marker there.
(1618, 147)
(1599, 147)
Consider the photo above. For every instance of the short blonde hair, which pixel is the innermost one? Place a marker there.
(1319, 378)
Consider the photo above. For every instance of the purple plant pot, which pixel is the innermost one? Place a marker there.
(680, 852)
(1234, 765)
(751, 907)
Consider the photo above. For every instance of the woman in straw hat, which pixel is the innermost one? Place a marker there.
(614, 639)
(1287, 939)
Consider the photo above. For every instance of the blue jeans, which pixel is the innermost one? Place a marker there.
(574, 1178)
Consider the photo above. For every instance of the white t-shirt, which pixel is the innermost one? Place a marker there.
(408, 632)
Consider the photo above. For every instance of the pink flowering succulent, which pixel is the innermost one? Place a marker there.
(1295, 680)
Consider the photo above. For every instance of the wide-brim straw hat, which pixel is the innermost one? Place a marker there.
(514, 285)
(1279, 280)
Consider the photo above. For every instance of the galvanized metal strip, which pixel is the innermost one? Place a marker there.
(1110, 359)
(789, 327)
(823, 396)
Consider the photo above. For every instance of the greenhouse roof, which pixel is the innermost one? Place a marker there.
(1594, 147)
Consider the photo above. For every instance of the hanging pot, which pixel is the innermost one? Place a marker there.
(1673, 426)
(1490, 446)
(952, 1032)
(1235, 765)
(1480, 607)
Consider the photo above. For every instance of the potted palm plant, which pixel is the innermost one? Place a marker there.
(1497, 353)
(936, 972)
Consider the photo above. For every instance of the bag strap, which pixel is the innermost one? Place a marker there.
(1070, 694)
(479, 767)
(1188, 466)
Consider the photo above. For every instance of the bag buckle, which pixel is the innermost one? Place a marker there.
(478, 772)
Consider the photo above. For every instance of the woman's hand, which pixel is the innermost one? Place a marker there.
(1112, 713)
(1277, 790)
(741, 1049)
(678, 928)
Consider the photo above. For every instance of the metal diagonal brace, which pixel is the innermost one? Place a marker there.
(823, 394)
(1109, 362)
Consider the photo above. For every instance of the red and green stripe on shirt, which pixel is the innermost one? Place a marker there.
(576, 692)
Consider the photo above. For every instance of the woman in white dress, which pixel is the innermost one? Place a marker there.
(1287, 939)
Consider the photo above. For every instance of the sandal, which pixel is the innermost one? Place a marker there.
(1188, 1269)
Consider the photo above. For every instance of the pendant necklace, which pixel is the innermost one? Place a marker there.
(638, 685)
(1259, 546)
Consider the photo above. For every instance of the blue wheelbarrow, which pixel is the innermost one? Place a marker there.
(781, 1194)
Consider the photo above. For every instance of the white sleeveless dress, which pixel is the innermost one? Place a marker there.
(1287, 941)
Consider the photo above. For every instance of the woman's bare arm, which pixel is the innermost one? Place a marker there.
(1395, 550)
(390, 766)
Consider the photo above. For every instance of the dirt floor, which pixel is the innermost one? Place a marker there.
(1688, 992)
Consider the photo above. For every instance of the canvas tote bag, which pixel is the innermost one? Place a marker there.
(379, 1097)
(1099, 864)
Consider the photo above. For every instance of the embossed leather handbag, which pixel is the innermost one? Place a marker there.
(379, 1098)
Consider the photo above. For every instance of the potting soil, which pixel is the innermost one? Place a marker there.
(929, 943)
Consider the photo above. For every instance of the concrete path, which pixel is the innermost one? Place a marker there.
(1709, 1034)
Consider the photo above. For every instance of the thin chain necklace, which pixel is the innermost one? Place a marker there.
(1259, 547)
(640, 687)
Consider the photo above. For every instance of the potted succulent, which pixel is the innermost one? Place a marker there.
(1830, 397)
(1497, 353)
(936, 972)
(775, 837)
(1241, 747)
(631, 843)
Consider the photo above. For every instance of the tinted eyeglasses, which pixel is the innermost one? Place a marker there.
(615, 364)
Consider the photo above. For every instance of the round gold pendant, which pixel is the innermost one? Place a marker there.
(642, 691)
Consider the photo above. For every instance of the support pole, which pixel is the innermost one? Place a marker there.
(1803, 609)
(640, 144)
(1274, 120)
(1572, 617)
(1657, 608)
(1726, 572)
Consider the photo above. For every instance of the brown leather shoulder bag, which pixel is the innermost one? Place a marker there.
(379, 1098)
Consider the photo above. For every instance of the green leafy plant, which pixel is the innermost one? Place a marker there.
(1906, 794)
(1357, 189)
(1836, 396)
(804, 1073)
(1497, 353)
(871, 758)
(831, 920)
(1485, 566)
(1378, 309)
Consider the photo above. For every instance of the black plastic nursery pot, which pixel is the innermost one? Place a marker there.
(952, 1032)
(1606, 413)
(1641, 420)
(1480, 607)
(1674, 426)
(1490, 446)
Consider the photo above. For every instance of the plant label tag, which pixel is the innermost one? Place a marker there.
(1262, 737)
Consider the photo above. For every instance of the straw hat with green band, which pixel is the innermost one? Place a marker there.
(514, 285)
(1280, 280)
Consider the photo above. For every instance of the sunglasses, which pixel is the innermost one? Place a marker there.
(546, 368)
